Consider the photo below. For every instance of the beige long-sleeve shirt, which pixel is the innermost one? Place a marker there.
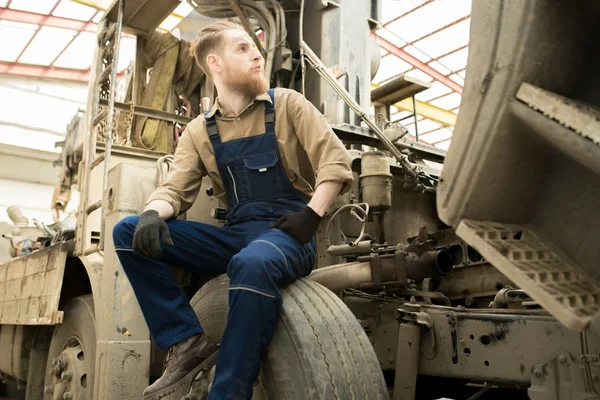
(310, 152)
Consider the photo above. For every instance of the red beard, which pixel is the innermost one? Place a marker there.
(249, 83)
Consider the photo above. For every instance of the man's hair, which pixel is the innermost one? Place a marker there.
(208, 40)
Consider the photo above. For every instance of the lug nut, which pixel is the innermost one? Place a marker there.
(67, 376)
(562, 358)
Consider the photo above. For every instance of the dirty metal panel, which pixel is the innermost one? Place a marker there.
(484, 346)
(30, 287)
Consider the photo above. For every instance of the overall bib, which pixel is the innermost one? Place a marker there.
(258, 260)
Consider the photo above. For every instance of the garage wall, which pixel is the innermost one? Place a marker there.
(33, 117)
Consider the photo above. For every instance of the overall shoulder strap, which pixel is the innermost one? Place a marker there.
(270, 112)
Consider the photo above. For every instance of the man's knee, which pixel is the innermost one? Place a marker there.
(124, 230)
(255, 266)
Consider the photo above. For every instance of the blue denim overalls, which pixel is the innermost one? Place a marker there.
(258, 260)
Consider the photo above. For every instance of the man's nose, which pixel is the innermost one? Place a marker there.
(256, 56)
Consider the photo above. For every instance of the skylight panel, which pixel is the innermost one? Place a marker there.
(437, 89)
(80, 52)
(445, 41)
(394, 9)
(37, 6)
(430, 18)
(390, 66)
(440, 68)
(46, 45)
(391, 37)
(418, 54)
(73, 10)
(447, 102)
(14, 36)
(438, 135)
(456, 61)
(420, 75)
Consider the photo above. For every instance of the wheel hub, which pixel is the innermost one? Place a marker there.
(69, 374)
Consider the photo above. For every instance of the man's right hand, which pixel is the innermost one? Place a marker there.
(149, 232)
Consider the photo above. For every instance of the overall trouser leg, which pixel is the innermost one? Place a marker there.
(271, 260)
(198, 248)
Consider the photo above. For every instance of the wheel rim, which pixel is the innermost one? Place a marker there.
(69, 373)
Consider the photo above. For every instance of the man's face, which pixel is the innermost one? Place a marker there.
(243, 65)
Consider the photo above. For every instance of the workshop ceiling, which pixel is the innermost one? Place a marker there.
(425, 39)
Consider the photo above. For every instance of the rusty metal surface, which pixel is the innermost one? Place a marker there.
(30, 287)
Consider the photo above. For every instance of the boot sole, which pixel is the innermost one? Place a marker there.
(180, 388)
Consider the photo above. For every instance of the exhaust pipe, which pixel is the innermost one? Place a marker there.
(354, 274)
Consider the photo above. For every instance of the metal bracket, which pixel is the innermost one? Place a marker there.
(400, 263)
(375, 270)
(422, 319)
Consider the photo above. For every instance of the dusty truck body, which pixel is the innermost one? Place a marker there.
(400, 304)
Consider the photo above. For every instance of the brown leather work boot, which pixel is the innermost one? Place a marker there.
(182, 358)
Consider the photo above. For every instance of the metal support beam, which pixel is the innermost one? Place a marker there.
(426, 110)
(403, 55)
(46, 20)
(37, 71)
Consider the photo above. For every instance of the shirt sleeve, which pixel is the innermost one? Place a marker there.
(184, 178)
(328, 156)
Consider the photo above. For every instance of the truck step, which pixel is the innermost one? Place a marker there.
(535, 266)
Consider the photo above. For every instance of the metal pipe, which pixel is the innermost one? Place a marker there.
(508, 296)
(354, 274)
(17, 217)
(363, 247)
(342, 276)
(407, 361)
(326, 74)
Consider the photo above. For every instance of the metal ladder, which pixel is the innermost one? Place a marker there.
(102, 84)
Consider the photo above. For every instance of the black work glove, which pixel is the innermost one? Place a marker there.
(301, 226)
(150, 230)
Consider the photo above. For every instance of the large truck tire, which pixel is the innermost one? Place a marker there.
(318, 351)
(70, 366)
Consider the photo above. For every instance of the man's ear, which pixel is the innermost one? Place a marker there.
(214, 63)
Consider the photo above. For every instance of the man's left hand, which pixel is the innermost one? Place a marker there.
(301, 226)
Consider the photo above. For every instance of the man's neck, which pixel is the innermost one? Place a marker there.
(232, 102)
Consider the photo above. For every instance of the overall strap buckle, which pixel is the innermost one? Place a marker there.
(211, 127)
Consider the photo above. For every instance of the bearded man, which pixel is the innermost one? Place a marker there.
(275, 161)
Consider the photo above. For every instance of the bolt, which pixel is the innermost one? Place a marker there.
(66, 376)
(67, 396)
(562, 358)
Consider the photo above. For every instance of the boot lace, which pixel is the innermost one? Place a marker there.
(171, 355)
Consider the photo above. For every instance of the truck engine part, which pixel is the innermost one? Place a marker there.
(360, 273)
(376, 181)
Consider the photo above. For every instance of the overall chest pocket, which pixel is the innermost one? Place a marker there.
(261, 174)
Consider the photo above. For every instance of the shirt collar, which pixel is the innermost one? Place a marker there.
(217, 106)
